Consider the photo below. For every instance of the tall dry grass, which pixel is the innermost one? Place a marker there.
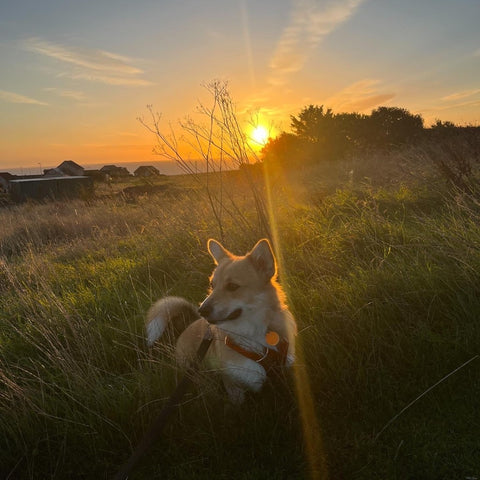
(382, 275)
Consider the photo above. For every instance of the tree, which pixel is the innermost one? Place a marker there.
(393, 126)
(313, 123)
(351, 132)
(321, 132)
(285, 150)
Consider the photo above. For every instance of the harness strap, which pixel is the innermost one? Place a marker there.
(271, 357)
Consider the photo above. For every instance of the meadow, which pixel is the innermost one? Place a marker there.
(380, 258)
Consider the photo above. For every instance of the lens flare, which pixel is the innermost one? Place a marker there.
(310, 426)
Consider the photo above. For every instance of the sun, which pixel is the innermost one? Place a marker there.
(260, 135)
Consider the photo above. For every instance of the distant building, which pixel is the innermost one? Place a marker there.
(97, 175)
(60, 188)
(67, 168)
(53, 172)
(115, 172)
(146, 171)
(5, 178)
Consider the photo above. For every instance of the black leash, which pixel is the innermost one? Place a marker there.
(153, 433)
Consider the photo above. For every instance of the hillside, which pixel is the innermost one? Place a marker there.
(380, 258)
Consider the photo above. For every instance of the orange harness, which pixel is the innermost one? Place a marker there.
(275, 355)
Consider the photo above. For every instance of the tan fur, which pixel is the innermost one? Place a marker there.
(244, 302)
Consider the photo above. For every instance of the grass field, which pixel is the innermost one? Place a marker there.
(381, 262)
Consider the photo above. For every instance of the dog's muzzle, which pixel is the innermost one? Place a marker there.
(235, 314)
(206, 311)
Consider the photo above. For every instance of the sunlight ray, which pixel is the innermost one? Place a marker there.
(312, 435)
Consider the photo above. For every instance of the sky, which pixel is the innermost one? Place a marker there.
(77, 75)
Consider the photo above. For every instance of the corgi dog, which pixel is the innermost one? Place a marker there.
(253, 330)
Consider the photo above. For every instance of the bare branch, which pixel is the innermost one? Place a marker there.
(220, 143)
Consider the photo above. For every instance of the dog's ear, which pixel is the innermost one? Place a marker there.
(263, 259)
(217, 251)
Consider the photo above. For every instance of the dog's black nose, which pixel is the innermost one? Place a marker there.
(205, 310)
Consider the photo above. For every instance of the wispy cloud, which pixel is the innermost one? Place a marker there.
(459, 95)
(310, 22)
(11, 97)
(72, 94)
(90, 64)
(359, 96)
(83, 57)
(453, 106)
(108, 79)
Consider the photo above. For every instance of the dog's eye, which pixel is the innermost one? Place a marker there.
(231, 287)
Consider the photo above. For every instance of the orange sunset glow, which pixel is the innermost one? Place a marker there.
(74, 83)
